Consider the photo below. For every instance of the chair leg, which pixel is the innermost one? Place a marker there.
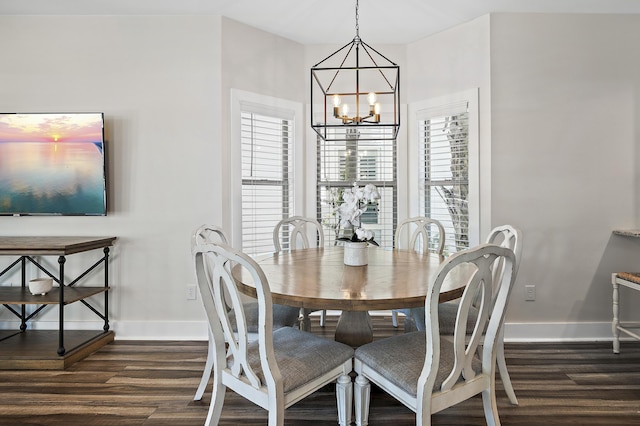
(276, 414)
(304, 320)
(323, 317)
(344, 396)
(362, 397)
(490, 408)
(394, 319)
(616, 320)
(489, 402)
(206, 374)
(504, 373)
(217, 400)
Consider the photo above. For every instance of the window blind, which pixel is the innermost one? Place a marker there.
(444, 172)
(267, 169)
(340, 164)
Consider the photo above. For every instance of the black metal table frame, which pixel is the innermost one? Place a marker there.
(24, 318)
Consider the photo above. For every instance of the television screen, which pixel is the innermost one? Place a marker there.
(52, 164)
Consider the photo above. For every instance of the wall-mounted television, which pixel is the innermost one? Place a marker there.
(52, 164)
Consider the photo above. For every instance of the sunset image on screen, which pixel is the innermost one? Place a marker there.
(52, 164)
(51, 127)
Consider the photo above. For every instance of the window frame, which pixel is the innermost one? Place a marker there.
(244, 101)
(438, 107)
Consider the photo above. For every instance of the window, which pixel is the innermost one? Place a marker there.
(266, 187)
(444, 175)
(343, 163)
(263, 138)
(447, 190)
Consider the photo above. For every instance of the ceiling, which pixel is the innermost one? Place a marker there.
(326, 21)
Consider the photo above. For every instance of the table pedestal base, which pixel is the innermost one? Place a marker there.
(354, 328)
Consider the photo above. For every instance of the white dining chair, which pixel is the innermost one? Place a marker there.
(505, 236)
(428, 371)
(282, 366)
(423, 235)
(283, 316)
(299, 232)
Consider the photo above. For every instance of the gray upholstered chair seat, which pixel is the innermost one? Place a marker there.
(301, 356)
(283, 316)
(384, 355)
(447, 312)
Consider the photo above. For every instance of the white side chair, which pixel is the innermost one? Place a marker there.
(424, 235)
(294, 233)
(282, 366)
(505, 236)
(428, 371)
(283, 316)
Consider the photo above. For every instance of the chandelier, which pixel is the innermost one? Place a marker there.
(355, 93)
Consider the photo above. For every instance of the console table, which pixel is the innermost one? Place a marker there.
(27, 249)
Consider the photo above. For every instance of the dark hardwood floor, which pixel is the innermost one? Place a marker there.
(152, 383)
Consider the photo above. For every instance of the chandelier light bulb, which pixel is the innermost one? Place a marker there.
(336, 100)
(372, 98)
(345, 110)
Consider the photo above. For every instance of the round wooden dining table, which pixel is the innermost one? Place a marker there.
(317, 278)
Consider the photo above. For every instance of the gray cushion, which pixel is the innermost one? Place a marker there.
(400, 359)
(301, 356)
(283, 316)
(447, 312)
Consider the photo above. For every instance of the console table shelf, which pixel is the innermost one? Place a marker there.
(24, 348)
(22, 296)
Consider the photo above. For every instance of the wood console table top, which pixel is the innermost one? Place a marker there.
(60, 246)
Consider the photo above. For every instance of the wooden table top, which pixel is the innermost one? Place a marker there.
(317, 278)
(60, 246)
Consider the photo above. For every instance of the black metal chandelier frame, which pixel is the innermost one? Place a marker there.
(334, 121)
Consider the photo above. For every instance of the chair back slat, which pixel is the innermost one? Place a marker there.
(299, 229)
(426, 235)
(506, 236)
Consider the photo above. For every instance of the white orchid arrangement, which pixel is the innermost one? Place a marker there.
(354, 203)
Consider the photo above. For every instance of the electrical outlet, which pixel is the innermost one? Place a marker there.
(530, 293)
(192, 292)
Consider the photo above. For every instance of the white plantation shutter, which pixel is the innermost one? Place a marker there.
(267, 171)
(340, 164)
(444, 171)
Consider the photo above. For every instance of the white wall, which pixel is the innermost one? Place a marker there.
(456, 61)
(157, 79)
(262, 63)
(558, 120)
(558, 138)
(564, 105)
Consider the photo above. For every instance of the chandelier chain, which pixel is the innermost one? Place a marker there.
(357, 24)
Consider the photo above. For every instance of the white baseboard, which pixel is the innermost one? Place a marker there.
(558, 332)
(197, 330)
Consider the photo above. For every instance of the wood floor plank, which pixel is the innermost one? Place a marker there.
(152, 384)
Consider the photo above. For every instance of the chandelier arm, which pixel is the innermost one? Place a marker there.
(338, 51)
(341, 64)
(364, 46)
